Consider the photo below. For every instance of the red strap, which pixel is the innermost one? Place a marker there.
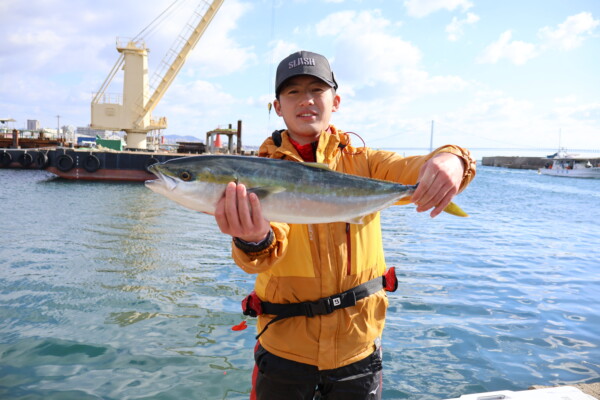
(391, 281)
(251, 305)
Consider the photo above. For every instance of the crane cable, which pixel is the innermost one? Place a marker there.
(270, 105)
(155, 23)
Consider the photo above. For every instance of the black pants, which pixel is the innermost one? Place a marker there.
(277, 378)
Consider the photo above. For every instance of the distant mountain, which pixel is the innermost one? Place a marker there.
(178, 138)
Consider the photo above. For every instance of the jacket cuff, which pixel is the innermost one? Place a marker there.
(469, 163)
(252, 247)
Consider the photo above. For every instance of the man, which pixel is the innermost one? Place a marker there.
(311, 343)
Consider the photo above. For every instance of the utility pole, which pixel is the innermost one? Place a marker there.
(58, 126)
(431, 138)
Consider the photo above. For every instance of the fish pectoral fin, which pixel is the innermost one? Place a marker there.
(454, 209)
(357, 220)
(264, 191)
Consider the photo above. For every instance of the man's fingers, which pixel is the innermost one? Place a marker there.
(243, 208)
(440, 193)
(222, 213)
(428, 177)
(443, 204)
(256, 210)
(231, 207)
(434, 187)
(430, 199)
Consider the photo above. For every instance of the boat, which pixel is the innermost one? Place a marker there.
(554, 393)
(104, 165)
(110, 162)
(572, 165)
(29, 152)
(36, 158)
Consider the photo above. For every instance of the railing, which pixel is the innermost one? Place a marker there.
(108, 98)
(123, 43)
(176, 48)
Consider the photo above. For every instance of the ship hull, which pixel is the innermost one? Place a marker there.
(24, 158)
(572, 173)
(92, 165)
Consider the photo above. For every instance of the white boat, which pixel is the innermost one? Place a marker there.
(572, 166)
(555, 393)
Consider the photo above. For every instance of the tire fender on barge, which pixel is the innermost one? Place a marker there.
(98, 165)
(65, 163)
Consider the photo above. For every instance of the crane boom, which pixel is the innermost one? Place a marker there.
(132, 111)
(200, 20)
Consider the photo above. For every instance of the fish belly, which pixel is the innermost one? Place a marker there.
(311, 209)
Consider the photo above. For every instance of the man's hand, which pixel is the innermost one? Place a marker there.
(439, 181)
(239, 214)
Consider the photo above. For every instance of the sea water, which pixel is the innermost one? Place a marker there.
(109, 291)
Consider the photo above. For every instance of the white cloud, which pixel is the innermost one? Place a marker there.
(196, 107)
(280, 49)
(381, 72)
(338, 22)
(570, 99)
(566, 36)
(582, 112)
(515, 51)
(422, 8)
(571, 33)
(218, 53)
(455, 28)
(364, 53)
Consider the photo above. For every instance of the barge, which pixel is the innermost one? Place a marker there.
(99, 165)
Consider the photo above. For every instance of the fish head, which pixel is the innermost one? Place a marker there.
(194, 182)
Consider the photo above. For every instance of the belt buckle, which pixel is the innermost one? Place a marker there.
(337, 301)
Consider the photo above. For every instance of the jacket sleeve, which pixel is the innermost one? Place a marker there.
(263, 260)
(391, 166)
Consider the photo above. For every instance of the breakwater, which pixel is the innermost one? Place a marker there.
(515, 162)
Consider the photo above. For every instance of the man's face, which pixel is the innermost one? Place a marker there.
(306, 104)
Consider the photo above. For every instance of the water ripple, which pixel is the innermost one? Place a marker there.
(108, 291)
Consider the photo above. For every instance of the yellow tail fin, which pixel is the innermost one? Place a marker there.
(453, 209)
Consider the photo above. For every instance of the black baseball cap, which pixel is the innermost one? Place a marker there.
(304, 63)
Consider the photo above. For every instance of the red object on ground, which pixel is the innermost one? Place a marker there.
(239, 327)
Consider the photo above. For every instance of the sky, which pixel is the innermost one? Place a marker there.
(508, 74)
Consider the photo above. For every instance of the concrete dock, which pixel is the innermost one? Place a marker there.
(516, 162)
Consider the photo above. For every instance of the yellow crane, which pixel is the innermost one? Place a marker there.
(132, 112)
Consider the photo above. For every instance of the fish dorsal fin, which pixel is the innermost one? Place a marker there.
(317, 165)
(264, 191)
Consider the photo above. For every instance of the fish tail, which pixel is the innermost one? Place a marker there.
(454, 209)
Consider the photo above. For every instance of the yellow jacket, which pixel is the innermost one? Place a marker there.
(308, 262)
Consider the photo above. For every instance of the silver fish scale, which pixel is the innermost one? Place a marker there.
(290, 192)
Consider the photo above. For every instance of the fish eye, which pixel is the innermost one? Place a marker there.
(185, 176)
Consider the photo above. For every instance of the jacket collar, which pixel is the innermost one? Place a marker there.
(329, 144)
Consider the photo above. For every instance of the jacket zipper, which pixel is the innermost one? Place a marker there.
(348, 250)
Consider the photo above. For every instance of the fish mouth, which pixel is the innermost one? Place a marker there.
(164, 182)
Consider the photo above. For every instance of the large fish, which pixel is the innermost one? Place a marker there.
(292, 192)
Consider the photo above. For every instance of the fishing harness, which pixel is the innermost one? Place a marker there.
(253, 306)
